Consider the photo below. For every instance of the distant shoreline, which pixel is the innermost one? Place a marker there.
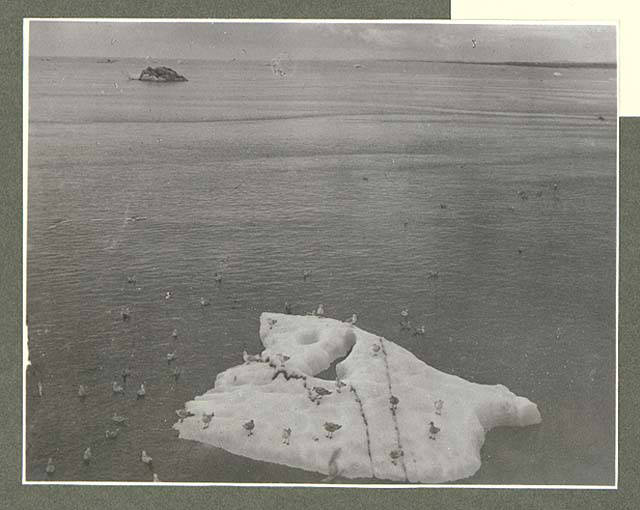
(577, 65)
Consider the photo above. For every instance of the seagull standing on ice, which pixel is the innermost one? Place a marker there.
(204, 302)
(286, 436)
(331, 428)
(249, 426)
(248, 358)
(206, 420)
(352, 320)
(141, 392)
(433, 430)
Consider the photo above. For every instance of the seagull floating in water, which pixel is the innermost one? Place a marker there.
(306, 274)
(111, 434)
(131, 279)
(204, 302)
(168, 295)
(125, 373)
(145, 458)
(171, 357)
(119, 419)
(352, 320)
(82, 391)
(217, 277)
(86, 456)
(287, 308)
(286, 436)
(116, 388)
(419, 331)
(155, 478)
(50, 469)
(433, 430)
(125, 313)
(174, 334)
(331, 428)
(206, 420)
(141, 392)
(39, 388)
(320, 310)
(404, 313)
(249, 426)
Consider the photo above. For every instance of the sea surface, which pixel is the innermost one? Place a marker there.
(370, 176)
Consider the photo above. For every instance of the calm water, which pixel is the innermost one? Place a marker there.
(261, 176)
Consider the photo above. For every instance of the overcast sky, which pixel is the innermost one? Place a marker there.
(263, 41)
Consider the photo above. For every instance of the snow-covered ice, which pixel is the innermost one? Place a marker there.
(379, 437)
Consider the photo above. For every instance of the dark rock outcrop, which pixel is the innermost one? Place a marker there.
(160, 74)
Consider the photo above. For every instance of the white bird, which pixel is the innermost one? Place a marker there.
(116, 388)
(204, 302)
(217, 277)
(168, 295)
(155, 478)
(306, 274)
(419, 331)
(174, 334)
(145, 458)
(171, 357)
(82, 391)
(111, 434)
(248, 358)
(39, 388)
(183, 414)
(404, 313)
(50, 467)
(141, 392)
(206, 420)
(86, 456)
(352, 320)
(320, 310)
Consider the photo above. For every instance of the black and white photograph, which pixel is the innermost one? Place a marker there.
(320, 253)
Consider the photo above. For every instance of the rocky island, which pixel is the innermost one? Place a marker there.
(160, 74)
(388, 416)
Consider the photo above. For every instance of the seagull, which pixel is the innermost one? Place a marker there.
(125, 373)
(111, 434)
(204, 302)
(86, 456)
(433, 275)
(306, 274)
(206, 419)
(473, 41)
(174, 334)
(119, 419)
(82, 391)
(145, 458)
(249, 426)
(320, 310)
(331, 428)
(131, 279)
(183, 413)
(116, 388)
(433, 430)
(39, 388)
(125, 313)
(339, 385)
(333, 466)
(395, 455)
(438, 406)
(141, 392)
(50, 469)
(375, 348)
(155, 478)
(168, 295)
(352, 320)
(323, 392)
(217, 277)
(171, 357)
(248, 358)
(394, 402)
(287, 307)
(419, 331)
(286, 436)
(404, 313)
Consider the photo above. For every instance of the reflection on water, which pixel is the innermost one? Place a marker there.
(372, 178)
